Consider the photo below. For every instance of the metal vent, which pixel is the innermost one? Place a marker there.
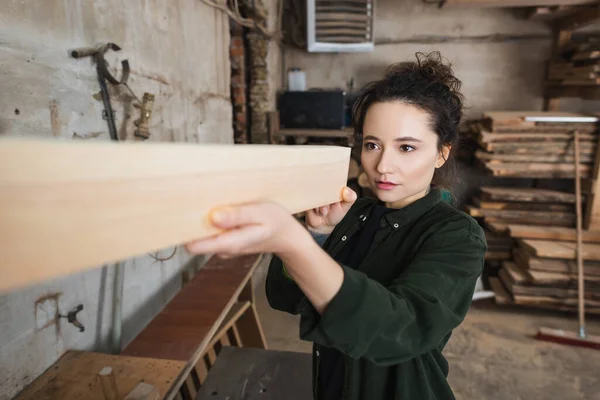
(340, 25)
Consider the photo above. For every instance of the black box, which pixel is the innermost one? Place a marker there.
(312, 109)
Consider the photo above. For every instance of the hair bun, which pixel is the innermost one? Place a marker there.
(431, 68)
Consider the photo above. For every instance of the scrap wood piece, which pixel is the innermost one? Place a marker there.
(501, 294)
(103, 202)
(525, 194)
(559, 249)
(551, 233)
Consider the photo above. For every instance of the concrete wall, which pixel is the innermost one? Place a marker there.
(498, 55)
(178, 51)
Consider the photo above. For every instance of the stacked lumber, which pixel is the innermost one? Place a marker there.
(543, 273)
(498, 207)
(510, 145)
(578, 65)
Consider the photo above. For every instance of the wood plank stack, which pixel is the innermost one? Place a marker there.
(577, 65)
(500, 206)
(543, 272)
(530, 231)
(511, 146)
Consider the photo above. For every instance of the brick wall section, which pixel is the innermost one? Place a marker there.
(239, 86)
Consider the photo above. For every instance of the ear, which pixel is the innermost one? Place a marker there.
(443, 155)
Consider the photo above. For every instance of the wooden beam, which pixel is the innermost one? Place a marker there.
(83, 204)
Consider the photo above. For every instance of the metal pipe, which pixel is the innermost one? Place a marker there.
(117, 316)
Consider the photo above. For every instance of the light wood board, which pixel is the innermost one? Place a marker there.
(67, 206)
(515, 3)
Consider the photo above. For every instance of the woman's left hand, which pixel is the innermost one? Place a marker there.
(251, 229)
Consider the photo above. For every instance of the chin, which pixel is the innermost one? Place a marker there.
(388, 196)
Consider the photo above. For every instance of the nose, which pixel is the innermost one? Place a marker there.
(385, 164)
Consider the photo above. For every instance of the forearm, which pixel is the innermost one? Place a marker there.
(314, 271)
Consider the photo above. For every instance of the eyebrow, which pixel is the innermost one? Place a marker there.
(398, 139)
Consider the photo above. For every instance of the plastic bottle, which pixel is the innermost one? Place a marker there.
(296, 80)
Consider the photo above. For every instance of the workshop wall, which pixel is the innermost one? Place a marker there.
(179, 51)
(499, 56)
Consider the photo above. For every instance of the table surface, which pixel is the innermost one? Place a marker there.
(249, 374)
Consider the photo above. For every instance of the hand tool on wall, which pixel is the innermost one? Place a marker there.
(104, 75)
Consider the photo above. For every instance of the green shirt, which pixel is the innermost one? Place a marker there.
(394, 314)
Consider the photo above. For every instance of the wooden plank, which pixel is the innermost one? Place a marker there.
(536, 170)
(556, 249)
(515, 3)
(341, 16)
(554, 137)
(497, 255)
(526, 194)
(538, 148)
(557, 278)
(592, 214)
(502, 205)
(185, 327)
(500, 293)
(551, 13)
(541, 217)
(497, 227)
(531, 263)
(75, 376)
(124, 199)
(529, 158)
(551, 233)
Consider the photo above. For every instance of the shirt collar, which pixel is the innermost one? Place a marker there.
(402, 216)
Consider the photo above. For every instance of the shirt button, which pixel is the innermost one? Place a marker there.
(361, 216)
(317, 353)
(396, 226)
(364, 219)
(344, 238)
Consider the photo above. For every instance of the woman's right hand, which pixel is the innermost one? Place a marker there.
(324, 219)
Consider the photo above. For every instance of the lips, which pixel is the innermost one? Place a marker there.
(384, 185)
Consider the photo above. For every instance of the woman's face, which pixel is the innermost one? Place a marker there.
(400, 152)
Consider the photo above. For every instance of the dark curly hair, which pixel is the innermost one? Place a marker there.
(426, 83)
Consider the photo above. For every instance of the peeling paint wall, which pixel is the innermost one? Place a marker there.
(178, 50)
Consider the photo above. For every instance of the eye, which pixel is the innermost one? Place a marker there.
(405, 148)
(371, 146)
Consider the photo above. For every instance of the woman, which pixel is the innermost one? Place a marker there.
(395, 275)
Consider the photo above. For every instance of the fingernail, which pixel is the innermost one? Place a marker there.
(219, 216)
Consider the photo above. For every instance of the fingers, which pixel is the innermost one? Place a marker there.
(237, 241)
(231, 217)
(348, 195)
